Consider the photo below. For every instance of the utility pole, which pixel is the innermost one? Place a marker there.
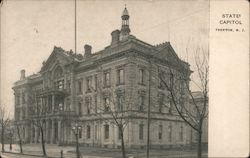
(149, 104)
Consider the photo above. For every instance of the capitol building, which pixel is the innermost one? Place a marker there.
(89, 88)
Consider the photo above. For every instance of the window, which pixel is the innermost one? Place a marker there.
(18, 99)
(80, 133)
(95, 85)
(170, 133)
(96, 131)
(23, 98)
(59, 84)
(181, 133)
(160, 132)
(89, 83)
(68, 86)
(80, 108)
(24, 113)
(106, 104)
(95, 103)
(106, 131)
(161, 102)
(141, 102)
(141, 76)
(88, 132)
(23, 132)
(120, 76)
(50, 103)
(17, 113)
(79, 87)
(88, 104)
(141, 126)
(171, 106)
(161, 78)
(119, 133)
(106, 79)
(120, 103)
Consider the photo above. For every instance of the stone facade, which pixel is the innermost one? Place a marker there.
(72, 88)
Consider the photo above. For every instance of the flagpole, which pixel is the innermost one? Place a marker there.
(75, 27)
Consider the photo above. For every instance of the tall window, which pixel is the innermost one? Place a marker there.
(95, 84)
(181, 133)
(96, 131)
(95, 103)
(24, 113)
(79, 87)
(88, 131)
(119, 133)
(50, 103)
(120, 76)
(23, 98)
(161, 102)
(106, 79)
(89, 83)
(88, 101)
(171, 106)
(18, 99)
(106, 131)
(106, 104)
(160, 132)
(141, 102)
(79, 108)
(80, 133)
(170, 133)
(120, 102)
(141, 126)
(161, 83)
(141, 76)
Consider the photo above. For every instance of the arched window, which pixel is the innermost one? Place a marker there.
(58, 78)
(58, 73)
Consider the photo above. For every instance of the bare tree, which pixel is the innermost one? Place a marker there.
(10, 131)
(38, 111)
(115, 110)
(4, 122)
(20, 139)
(177, 85)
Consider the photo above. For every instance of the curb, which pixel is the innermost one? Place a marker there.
(29, 154)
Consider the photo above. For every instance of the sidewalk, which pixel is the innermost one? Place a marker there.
(53, 151)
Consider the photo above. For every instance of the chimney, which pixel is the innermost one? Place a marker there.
(87, 49)
(115, 37)
(22, 74)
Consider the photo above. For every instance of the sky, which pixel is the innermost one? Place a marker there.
(31, 28)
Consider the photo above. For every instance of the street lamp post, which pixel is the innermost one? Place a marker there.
(76, 128)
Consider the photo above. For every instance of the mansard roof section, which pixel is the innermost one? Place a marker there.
(32, 79)
(163, 52)
(166, 51)
(60, 55)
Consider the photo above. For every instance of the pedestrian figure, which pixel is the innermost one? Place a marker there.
(10, 147)
(61, 153)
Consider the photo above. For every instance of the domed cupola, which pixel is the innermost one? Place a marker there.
(125, 30)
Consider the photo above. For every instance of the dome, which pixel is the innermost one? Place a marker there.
(125, 12)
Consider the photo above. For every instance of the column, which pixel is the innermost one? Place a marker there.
(59, 131)
(52, 132)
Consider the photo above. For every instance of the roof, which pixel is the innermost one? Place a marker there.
(125, 12)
